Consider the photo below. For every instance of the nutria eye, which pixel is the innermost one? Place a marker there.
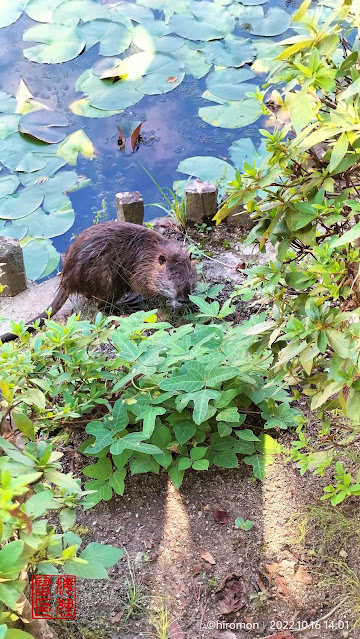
(162, 259)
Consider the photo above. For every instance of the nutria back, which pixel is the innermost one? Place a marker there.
(109, 259)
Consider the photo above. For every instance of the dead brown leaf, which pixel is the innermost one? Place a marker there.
(207, 556)
(303, 576)
(231, 594)
(197, 569)
(283, 587)
(172, 79)
(220, 515)
(175, 632)
(116, 618)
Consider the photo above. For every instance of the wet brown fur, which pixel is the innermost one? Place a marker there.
(109, 259)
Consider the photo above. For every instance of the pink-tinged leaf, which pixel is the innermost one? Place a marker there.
(135, 136)
(220, 515)
(122, 139)
(175, 632)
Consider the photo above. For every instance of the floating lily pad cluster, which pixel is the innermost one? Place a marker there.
(160, 42)
(146, 47)
(34, 205)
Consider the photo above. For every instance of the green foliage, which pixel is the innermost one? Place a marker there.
(244, 525)
(32, 487)
(303, 196)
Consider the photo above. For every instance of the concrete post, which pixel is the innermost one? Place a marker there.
(129, 207)
(200, 201)
(12, 269)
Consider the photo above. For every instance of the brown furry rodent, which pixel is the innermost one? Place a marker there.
(109, 259)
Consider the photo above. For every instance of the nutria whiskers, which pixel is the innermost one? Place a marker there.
(109, 259)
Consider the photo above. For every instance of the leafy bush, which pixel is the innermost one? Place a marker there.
(31, 487)
(304, 198)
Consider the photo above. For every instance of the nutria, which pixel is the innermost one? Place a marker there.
(109, 259)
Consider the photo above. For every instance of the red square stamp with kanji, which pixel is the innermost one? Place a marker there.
(54, 597)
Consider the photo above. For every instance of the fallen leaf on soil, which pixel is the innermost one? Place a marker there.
(117, 617)
(240, 266)
(261, 584)
(175, 632)
(220, 515)
(285, 564)
(272, 568)
(303, 576)
(197, 569)
(231, 594)
(281, 582)
(148, 544)
(204, 554)
(172, 79)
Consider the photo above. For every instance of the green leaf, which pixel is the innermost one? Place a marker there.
(258, 465)
(254, 20)
(226, 459)
(209, 22)
(301, 110)
(184, 432)
(229, 415)
(351, 90)
(339, 150)
(134, 441)
(224, 429)
(247, 435)
(201, 464)
(24, 424)
(189, 378)
(348, 237)
(117, 481)
(338, 342)
(14, 633)
(67, 518)
(104, 437)
(231, 114)
(184, 463)
(198, 452)
(353, 406)
(161, 437)
(101, 470)
(63, 481)
(208, 168)
(44, 125)
(201, 402)
(176, 476)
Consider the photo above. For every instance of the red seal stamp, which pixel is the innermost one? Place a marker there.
(54, 597)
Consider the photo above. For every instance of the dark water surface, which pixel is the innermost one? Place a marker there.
(172, 129)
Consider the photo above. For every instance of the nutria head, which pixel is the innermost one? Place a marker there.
(167, 271)
(175, 278)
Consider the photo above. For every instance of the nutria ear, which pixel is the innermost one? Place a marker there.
(162, 259)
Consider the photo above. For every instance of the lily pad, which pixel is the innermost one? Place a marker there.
(152, 36)
(54, 189)
(21, 203)
(251, 2)
(54, 259)
(230, 83)
(244, 150)
(8, 124)
(194, 60)
(25, 101)
(60, 43)
(10, 11)
(208, 22)
(230, 52)
(42, 10)
(36, 257)
(70, 13)
(8, 185)
(52, 165)
(168, 7)
(208, 168)
(15, 147)
(43, 125)
(134, 12)
(83, 107)
(253, 20)
(47, 225)
(131, 68)
(114, 37)
(7, 103)
(11, 230)
(104, 94)
(232, 114)
(164, 74)
(74, 144)
(32, 162)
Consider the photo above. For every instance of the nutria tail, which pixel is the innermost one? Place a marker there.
(58, 301)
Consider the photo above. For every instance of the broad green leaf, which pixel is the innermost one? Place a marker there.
(201, 464)
(101, 470)
(176, 476)
(24, 424)
(353, 406)
(338, 342)
(232, 114)
(66, 482)
(117, 481)
(258, 463)
(255, 21)
(301, 110)
(339, 150)
(348, 237)
(104, 437)
(301, 11)
(351, 90)
(208, 169)
(208, 22)
(21, 203)
(226, 459)
(230, 415)
(184, 432)
(106, 556)
(230, 84)
(134, 441)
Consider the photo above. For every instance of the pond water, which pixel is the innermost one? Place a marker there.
(172, 129)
